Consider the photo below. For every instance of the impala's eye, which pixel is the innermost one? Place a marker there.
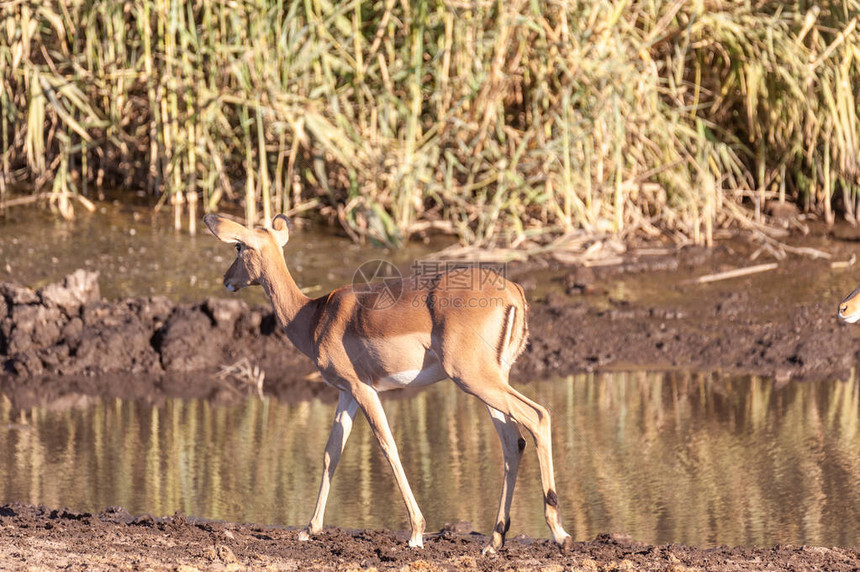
(238, 247)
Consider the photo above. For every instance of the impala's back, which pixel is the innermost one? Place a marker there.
(397, 333)
(849, 308)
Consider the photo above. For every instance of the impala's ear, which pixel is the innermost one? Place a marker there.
(228, 231)
(281, 229)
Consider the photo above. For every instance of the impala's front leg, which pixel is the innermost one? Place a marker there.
(369, 402)
(347, 406)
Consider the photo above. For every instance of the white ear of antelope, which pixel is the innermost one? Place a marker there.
(280, 229)
(228, 231)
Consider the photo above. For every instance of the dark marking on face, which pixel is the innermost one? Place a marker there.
(521, 443)
(551, 498)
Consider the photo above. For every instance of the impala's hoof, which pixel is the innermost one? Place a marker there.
(496, 542)
(566, 544)
(304, 535)
(416, 542)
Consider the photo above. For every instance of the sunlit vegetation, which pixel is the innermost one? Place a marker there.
(510, 123)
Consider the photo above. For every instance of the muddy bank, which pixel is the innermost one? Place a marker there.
(729, 329)
(40, 538)
(65, 339)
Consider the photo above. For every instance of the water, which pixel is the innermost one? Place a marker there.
(137, 253)
(665, 457)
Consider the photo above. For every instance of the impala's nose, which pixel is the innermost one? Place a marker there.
(229, 286)
(842, 309)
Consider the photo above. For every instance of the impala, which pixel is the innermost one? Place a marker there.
(431, 331)
(849, 308)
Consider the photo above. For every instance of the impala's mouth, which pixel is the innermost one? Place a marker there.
(850, 319)
(231, 288)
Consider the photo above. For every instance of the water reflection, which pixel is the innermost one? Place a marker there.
(664, 457)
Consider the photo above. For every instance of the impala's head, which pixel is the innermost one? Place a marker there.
(254, 248)
(849, 308)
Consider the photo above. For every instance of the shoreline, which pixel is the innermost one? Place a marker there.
(42, 538)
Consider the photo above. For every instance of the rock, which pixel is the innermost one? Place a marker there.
(224, 313)
(16, 294)
(78, 288)
(116, 514)
(225, 554)
(459, 527)
(26, 364)
(249, 322)
(781, 211)
(105, 315)
(121, 342)
(72, 330)
(152, 311)
(579, 281)
(32, 326)
(188, 341)
(67, 329)
(54, 358)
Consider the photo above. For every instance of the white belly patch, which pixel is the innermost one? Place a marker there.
(411, 378)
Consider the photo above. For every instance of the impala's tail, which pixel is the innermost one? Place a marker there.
(515, 330)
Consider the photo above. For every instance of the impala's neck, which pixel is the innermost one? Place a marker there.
(294, 310)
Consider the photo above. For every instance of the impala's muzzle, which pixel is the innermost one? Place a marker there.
(231, 284)
(849, 307)
(846, 315)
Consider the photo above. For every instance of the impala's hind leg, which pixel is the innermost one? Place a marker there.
(492, 388)
(536, 419)
(512, 448)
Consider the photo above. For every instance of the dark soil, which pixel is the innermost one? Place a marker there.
(65, 339)
(43, 538)
(780, 324)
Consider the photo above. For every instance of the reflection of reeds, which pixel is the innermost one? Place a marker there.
(498, 121)
(665, 457)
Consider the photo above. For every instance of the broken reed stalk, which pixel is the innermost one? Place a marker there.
(507, 122)
(736, 273)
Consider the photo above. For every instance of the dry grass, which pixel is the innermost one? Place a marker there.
(507, 123)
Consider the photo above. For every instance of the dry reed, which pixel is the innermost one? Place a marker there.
(507, 123)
